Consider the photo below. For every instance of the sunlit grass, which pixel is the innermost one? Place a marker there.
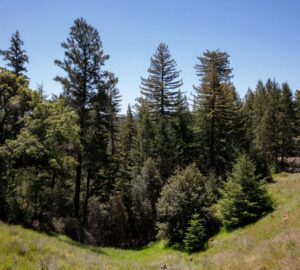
(271, 243)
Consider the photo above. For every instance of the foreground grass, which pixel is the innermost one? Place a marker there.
(271, 243)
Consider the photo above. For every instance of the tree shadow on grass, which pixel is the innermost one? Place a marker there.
(71, 242)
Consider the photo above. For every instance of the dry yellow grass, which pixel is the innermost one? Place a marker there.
(271, 243)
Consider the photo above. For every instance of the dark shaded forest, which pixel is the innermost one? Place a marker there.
(174, 168)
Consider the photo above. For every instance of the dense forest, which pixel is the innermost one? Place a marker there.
(173, 167)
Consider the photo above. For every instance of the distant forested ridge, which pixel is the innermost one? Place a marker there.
(171, 168)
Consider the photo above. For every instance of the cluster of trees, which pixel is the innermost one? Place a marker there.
(72, 164)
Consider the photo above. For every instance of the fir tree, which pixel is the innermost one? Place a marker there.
(15, 55)
(244, 198)
(216, 110)
(161, 88)
(286, 123)
(195, 234)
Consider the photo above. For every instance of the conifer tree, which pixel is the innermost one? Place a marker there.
(15, 55)
(286, 123)
(195, 234)
(216, 109)
(297, 119)
(126, 136)
(84, 57)
(267, 106)
(244, 198)
(161, 88)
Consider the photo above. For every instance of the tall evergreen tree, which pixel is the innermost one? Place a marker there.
(15, 55)
(297, 120)
(161, 88)
(216, 108)
(266, 121)
(286, 123)
(83, 58)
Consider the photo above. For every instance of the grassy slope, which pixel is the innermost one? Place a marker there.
(271, 243)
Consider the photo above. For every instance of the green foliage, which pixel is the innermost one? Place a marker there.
(42, 162)
(186, 192)
(160, 89)
(121, 195)
(195, 234)
(16, 99)
(15, 55)
(242, 249)
(216, 107)
(244, 198)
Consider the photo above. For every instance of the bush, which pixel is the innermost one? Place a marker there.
(244, 197)
(186, 193)
(195, 235)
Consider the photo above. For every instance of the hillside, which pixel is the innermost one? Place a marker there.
(271, 243)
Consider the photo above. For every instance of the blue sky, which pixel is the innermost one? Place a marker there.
(261, 36)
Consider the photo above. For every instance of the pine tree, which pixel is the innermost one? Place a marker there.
(244, 198)
(297, 119)
(216, 110)
(144, 142)
(161, 88)
(83, 58)
(126, 137)
(15, 55)
(266, 121)
(286, 123)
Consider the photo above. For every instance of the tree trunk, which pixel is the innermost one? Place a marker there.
(86, 204)
(77, 186)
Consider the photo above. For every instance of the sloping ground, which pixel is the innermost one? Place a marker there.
(271, 243)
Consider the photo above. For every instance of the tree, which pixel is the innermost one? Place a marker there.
(15, 55)
(16, 100)
(83, 58)
(244, 198)
(216, 110)
(144, 191)
(161, 88)
(187, 192)
(42, 163)
(195, 234)
(297, 119)
(286, 123)
(126, 136)
(266, 121)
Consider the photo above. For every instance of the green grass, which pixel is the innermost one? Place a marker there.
(271, 243)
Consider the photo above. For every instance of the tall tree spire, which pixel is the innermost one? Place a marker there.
(15, 55)
(161, 88)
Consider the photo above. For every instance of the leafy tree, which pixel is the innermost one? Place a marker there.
(83, 58)
(244, 198)
(15, 55)
(16, 99)
(216, 111)
(161, 88)
(194, 238)
(42, 162)
(187, 192)
(144, 191)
